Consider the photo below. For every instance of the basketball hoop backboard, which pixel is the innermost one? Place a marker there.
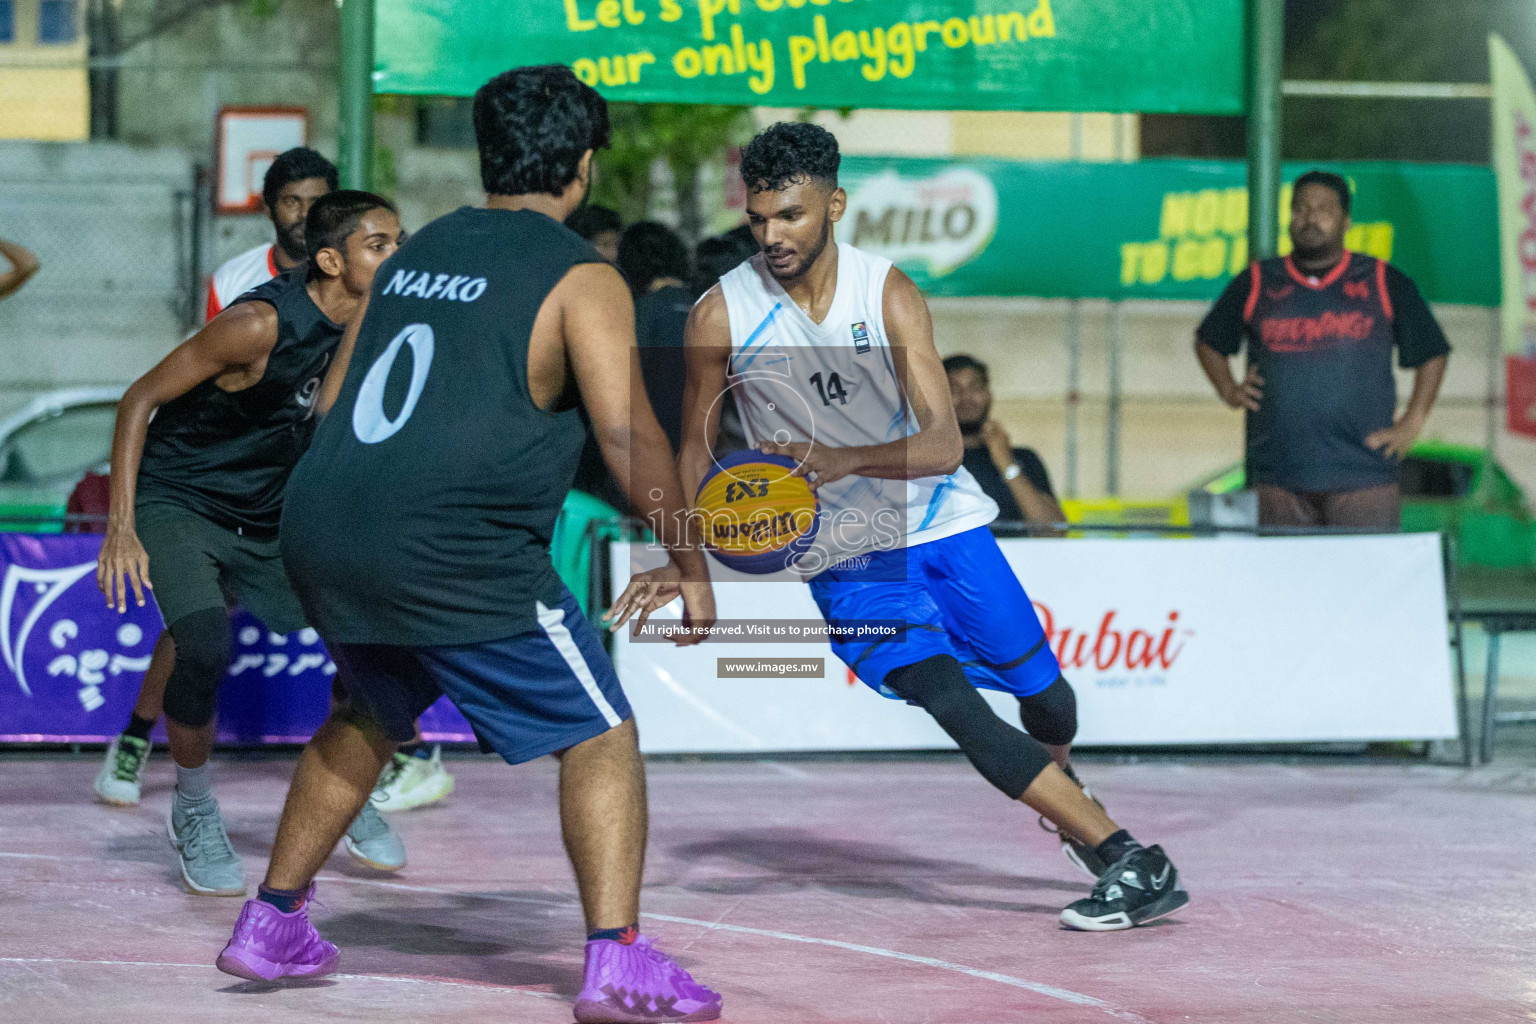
(248, 140)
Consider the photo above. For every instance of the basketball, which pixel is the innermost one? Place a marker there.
(758, 517)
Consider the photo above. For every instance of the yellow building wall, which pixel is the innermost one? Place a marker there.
(45, 104)
(44, 91)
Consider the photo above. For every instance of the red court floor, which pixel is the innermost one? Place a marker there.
(891, 891)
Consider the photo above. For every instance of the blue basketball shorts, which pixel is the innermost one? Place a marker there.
(526, 696)
(955, 596)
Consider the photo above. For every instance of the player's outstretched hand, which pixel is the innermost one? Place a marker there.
(655, 588)
(123, 563)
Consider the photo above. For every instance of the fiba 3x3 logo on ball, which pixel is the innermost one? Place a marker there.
(759, 517)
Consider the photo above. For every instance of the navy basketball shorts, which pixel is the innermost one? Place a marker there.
(526, 696)
(955, 596)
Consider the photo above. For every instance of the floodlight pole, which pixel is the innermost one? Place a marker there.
(1266, 39)
(356, 94)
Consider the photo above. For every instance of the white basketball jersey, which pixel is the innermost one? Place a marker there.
(834, 383)
(238, 276)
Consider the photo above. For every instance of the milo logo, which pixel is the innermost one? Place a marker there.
(943, 221)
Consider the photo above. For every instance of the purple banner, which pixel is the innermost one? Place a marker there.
(70, 667)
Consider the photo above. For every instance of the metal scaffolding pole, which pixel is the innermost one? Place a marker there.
(1114, 346)
(356, 93)
(1266, 37)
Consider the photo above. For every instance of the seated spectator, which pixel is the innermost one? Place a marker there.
(600, 226)
(1015, 478)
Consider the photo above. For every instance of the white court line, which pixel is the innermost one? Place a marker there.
(1050, 991)
(1039, 988)
(403, 978)
(693, 700)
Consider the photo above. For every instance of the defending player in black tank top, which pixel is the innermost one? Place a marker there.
(423, 512)
(227, 454)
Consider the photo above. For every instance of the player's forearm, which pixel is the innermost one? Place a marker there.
(330, 387)
(1426, 388)
(640, 458)
(693, 461)
(128, 435)
(1217, 370)
(929, 452)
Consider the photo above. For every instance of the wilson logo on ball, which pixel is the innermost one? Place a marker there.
(758, 517)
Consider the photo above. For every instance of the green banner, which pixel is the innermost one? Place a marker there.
(1167, 56)
(1157, 229)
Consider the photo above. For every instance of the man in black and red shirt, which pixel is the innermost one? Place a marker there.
(1320, 324)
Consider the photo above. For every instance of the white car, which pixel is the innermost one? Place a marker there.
(46, 448)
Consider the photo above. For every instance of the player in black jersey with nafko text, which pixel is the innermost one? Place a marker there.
(197, 492)
(417, 531)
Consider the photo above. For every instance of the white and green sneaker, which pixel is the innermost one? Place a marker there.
(117, 784)
(408, 782)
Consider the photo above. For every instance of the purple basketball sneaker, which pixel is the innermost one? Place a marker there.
(634, 983)
(269, 944)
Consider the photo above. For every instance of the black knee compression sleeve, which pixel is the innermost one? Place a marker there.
(1050, 716)
(202, 654)
(1005, 756)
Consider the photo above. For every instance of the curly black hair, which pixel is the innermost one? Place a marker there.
(590, 220)
(296, 164)
(333, 217)
(648, 251)
(790, 152)
(533, 124)
(1328, 180)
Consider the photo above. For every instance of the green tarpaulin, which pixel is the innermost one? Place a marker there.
(1157, 229)
(1106, 55)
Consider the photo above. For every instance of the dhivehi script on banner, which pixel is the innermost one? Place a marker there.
(1172, 56)
(1250, 640)
(70, 667)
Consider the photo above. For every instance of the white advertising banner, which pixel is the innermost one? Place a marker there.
(1231, 640)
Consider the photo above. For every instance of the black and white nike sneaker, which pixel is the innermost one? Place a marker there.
(1142, 886)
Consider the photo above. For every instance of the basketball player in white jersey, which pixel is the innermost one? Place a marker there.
(829, 353)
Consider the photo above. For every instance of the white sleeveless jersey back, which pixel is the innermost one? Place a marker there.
(834, 383)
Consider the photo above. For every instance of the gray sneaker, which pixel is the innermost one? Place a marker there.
(371, 841)
(209, 864)
(117, 783)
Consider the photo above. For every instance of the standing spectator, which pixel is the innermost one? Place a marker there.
(1015, 478)
(23, 266)
(600, 226)
(292, 183)
(1320, 325)
(654, 260)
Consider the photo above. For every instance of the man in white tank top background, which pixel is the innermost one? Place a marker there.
(829, 353)
(295, 179)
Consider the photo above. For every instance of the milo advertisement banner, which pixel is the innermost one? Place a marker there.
(1103, 55)
(1156, 229)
